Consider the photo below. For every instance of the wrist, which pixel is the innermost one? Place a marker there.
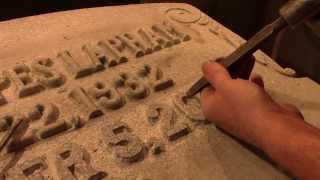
(270, 126)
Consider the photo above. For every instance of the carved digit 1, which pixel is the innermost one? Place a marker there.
(105, 97)
(168, 117)
(79, 97)
(33, 169)
(135, 88)
(47, 75)
(73, 162)
(191, 107)
(75, 69)
(126, 147)
(156, 78)
(25, 83)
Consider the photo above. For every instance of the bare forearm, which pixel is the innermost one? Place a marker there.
(293, 144)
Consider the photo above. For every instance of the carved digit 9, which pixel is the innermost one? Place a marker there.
(126, 147)
(106, 97)
(168, 118)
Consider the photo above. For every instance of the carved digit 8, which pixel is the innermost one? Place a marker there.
(106, 97)
(135, 88)
(168, 118)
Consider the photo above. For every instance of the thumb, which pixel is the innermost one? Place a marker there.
(215, 73)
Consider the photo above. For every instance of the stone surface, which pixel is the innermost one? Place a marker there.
(84, 70)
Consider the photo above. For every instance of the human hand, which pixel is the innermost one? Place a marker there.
(240, 107)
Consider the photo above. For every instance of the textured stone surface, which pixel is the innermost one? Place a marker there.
(87, 69)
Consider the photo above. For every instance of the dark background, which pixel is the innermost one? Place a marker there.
(10, 9)
(298, 49)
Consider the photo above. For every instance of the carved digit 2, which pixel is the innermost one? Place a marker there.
(168, 118)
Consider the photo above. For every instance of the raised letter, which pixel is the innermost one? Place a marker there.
(75, 69)
(35, 169)
(46, 74)
(115, 48)
(80, 98)
(73, 162)
(155, 40)
(135, 45)
(25, 83)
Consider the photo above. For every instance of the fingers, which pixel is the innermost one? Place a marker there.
(257, 79)
(207, 97)
(215, 73)
(206, 93)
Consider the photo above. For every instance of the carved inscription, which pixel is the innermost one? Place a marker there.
(191, 107)
(73, 162)
(8, 124)
(106, 97)
(156, 78)
(171, 33)
(135, 87)
(115, 49)
(134, 44)
(154, 42)
(36, 169)
(75, 69)
(46, 74)
(43, 122)
(4, 84)
(98, 58)
(112, 51)
(80, 98)
(172, 130)
(25, 82)
(120, 140)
